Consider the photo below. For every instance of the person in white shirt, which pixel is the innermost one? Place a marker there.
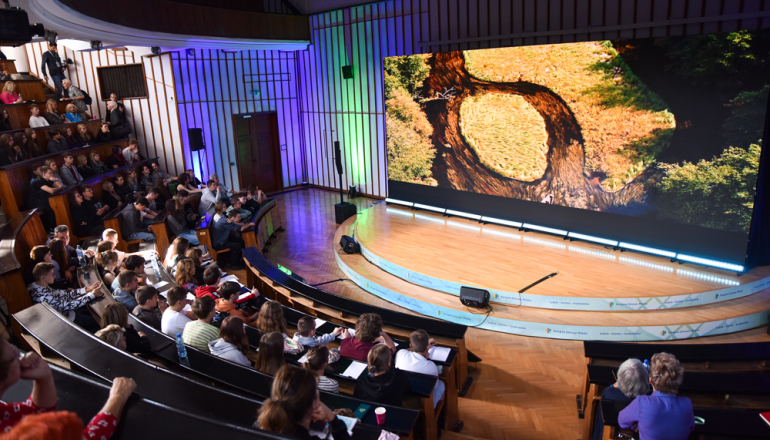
(416, 359)
(36, 120)
(178, 313)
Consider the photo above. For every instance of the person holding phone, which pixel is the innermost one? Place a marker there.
(68, 302)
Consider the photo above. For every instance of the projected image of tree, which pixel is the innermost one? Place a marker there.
(607, 126)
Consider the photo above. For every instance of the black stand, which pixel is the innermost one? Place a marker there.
(342, 210)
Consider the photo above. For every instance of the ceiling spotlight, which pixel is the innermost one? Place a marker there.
(190, 52)
(96, 45)
(51, 37)
(155, 50)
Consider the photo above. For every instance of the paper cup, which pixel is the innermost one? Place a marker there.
(380, 413)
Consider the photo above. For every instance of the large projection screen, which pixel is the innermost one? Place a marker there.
(655, 142)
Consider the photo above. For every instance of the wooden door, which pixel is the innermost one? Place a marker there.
(259, 152)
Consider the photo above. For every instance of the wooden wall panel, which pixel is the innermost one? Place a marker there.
(154, 119)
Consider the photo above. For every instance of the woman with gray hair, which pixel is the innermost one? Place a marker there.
(633, 380)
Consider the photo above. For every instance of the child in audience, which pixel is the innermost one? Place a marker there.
(176, 222)
(185, 275)
(229, 292)
(82, 166)
(178, 313)
(294, 403)
(271, 318)
(107, 264)
(111, 197)
(135, 264)
(197, 256)
(417, 359)
(83, 136)
(136, 342)
(199, 333)
(132, 181)
(113, 335)
(270, 355)
(211, 277)
(306, 334)
(133, 227)
(126, 291)
(175, 253)
(188, 212)
(151, 307)
(68, 302)
(121, 188)
(317, 360)
(232, 343)
(96, 164)
(63, 272)
(238, 206)
(367, 334)
(383, 384)
(226, 234)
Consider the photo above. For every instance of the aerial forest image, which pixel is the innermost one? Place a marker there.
(666, 128)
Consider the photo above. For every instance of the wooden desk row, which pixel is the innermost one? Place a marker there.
(41, 133)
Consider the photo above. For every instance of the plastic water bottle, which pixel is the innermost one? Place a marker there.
(81, 260)
(647, 364)
(155, 269)
(182, 350)
(22, 99)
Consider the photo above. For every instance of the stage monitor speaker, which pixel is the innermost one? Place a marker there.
(349, 245)
(343, 211)
(338, 156)
(472, 297)
(195, 136)
(347, 72)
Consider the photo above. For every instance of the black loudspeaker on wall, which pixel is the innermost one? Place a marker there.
(347, 72)
(195, 136)
(338, 156)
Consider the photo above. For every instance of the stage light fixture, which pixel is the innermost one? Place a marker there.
(647, 250)
(593, 239)
(544, 229)
(463, 214)
(429, 208)
(50, 36)
(498, 221)
(190, 52)
(155, 50)
(96, 45)
(399, 202)
(713, 263)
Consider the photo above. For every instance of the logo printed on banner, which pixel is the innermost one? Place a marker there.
(548, 330)
(663, 333)
(611, 303)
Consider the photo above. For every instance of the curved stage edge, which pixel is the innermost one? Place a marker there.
(567, 302)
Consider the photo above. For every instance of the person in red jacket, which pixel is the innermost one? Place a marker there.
(211, 276)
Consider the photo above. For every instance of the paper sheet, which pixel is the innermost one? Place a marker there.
(350, 422)
(319, 322)
(232, 278)
(302, 360)
(190, 297)
(354, 370)
(439, 354)
(160, 284)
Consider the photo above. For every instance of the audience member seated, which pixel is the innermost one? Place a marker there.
(157, 173)
(111, 197)
(317, 360)
(183, 183)
(178, 313)
(368, 333)
(42, 254)
(96, 164)
(417, 360)
(197, 256)
(7, 155)
(104, 134)
(175, 254)
(219, 212)
(229, 292)
(9, 95)
(177, 224)
(84, 219)
(633, 380)
(243, 199)
(107, 265)
(75, 96)
(64, 272)
(146, 179)
(41, 190)
(121, 188)
(132, 181)
(151, 307)
(200, 332)
(5, 121)
(72, 140)
(271, 318)
(165, 193)
(83, 136)
(226, 234)
(35, 120)
(383, 384)
(20, 145)
(184, 277)
(31, 143)
(270, 355)
(69, 174)
(131, 152)
(118, 104)
(133, 263)
(52, 113)
(72, 113)
(136, 342)
(93, 203)
(82, 166)
(663, 414)
(188, 212)
(294, 403)
(62, 232)
(225, 189)
(36, 414)
(211, 278)
(306, 333)
(154, 206)
(118, 125)
(116, 159)
(243, 214)
(211, 195)
(51, 163)
(69, 302)
(5, 75)
(256, 197)
(113, 335)
(126, 291)
(56, 142)
(232, 343)
(132, 226)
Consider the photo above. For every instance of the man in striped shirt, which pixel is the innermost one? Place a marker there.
(199, 333)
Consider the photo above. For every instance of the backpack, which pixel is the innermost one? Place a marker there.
(86, 97)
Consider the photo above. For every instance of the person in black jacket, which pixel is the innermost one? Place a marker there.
(118, 125)
(136, 342)
(384, 384)
(84, 220)
(52, 61)
(294, 403)
(104, 134)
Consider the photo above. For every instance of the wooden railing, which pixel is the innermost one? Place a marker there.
(19, 113)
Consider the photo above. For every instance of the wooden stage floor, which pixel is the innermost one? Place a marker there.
(525, 386)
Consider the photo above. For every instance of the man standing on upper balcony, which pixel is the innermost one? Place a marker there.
(52, 61)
